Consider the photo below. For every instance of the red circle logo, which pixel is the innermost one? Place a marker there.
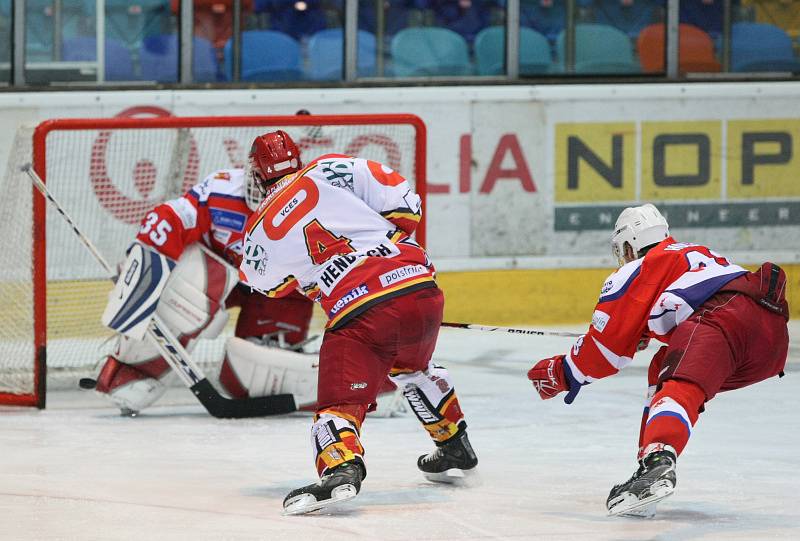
(144, 173)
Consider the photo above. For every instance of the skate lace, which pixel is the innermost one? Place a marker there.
(642, 469)
(435, 455)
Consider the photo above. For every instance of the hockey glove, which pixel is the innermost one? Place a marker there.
(553, 376)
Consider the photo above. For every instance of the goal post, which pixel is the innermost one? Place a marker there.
(107, 172)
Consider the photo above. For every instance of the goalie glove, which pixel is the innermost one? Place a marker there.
(553, 376)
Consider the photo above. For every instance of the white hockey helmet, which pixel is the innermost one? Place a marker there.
(640, 227)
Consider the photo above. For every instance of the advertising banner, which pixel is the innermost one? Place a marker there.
(524, 174)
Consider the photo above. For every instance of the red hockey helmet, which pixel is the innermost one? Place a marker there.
(272, 156)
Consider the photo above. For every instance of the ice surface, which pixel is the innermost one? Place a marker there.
(79, 471)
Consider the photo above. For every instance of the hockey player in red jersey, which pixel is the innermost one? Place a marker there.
(724, 328)
(212, 214)
(340, 229)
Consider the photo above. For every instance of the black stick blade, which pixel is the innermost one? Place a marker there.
(228, 408)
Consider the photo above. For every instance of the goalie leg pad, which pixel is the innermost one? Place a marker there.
(252, 370)
(128, 387)
(195, 293)
(432, 398)
(191, 305)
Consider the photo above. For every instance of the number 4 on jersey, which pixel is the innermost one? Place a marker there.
(322, 244)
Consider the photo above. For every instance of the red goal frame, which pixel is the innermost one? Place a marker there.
(39, 253)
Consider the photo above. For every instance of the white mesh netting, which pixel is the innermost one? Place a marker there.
(107, 180)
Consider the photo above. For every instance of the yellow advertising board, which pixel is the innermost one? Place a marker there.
(705, 173)
(763, 161)
(595, 162)
(680, 160)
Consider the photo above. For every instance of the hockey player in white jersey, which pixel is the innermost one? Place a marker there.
(340, 230)
(199, 289)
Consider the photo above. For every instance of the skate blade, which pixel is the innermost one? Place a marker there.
(453, 476)
(630, 505)
(307, 503)
(645, 511)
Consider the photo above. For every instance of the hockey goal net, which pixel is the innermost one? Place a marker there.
(107, 173)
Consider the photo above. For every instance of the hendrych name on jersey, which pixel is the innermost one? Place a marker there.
(339, 266)
(336, 269)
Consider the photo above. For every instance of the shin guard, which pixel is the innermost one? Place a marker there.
(334, 436)
(433, 400)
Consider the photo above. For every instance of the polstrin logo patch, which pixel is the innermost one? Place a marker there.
(403, 273)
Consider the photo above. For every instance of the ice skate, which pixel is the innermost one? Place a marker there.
(652, 482)
(340, 484)
(450, 462)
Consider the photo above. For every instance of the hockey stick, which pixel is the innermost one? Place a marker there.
(511, 330)
(172, 350)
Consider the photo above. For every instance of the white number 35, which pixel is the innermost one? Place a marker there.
(158, 235)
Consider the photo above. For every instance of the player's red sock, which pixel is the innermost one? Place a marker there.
(673, 412)
(652, 384)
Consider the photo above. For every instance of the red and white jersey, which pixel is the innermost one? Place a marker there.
(648, 297)
(213, 212)
(339, 231)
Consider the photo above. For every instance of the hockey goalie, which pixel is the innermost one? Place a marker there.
(198, 236)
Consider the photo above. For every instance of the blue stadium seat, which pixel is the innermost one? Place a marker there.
(600, 49)
(325, 55)
(467, 20)
(546, 17)
(630, 17)
(395, 17)
(267, 55)
(159, 59)
(704, 14)
(39, 26)
(285, 16)
(118, 62)
(130, 21)
(428, 51)
(761, 47)
(534, 51)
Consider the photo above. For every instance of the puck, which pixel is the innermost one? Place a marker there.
(87, 383)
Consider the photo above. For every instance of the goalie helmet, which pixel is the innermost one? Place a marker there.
(640, 227)
(272, 156)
